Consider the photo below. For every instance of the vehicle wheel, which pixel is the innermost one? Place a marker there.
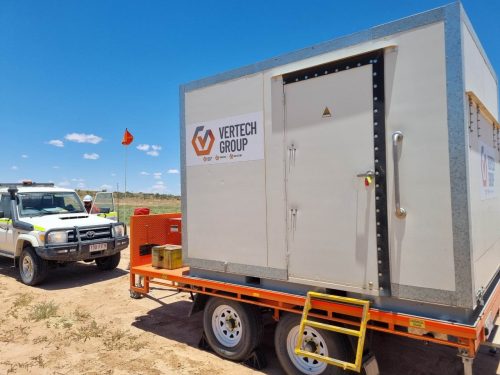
(318, 341)
(32, 268)
(136, 295)
(108, 263)
(233, 330)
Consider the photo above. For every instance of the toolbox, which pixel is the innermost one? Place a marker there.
(167, 256)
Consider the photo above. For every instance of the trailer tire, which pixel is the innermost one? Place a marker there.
(136, 295)
(325, 342)
(32, 268)
(108, 263)
(232, 329)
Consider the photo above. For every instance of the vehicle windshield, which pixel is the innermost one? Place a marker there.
(49, 203)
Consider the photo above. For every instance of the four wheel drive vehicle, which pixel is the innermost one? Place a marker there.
(42, 226)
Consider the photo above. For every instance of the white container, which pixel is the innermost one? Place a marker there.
(271, 155)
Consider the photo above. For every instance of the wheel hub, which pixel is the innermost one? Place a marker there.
(313, 342)
(227, 326)
(311, 346)
(27, 267)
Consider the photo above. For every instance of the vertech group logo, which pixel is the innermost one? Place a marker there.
(225, 140)
(202, 141)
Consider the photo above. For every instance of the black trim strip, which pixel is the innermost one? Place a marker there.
(376, 59)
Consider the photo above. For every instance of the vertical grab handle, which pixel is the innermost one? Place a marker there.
(397, 140)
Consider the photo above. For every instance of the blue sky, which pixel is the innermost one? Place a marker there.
(77, 73)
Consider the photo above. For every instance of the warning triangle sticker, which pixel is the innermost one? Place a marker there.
(327, 113)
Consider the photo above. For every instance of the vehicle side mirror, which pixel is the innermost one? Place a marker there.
(2, 214)
(105, 210)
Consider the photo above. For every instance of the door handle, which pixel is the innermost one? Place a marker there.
(397, 140)
(291, 156)
(293, 219)
(368, 173)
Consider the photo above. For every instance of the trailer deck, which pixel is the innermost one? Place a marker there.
(160, 229)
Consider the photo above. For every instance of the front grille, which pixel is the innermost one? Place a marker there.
(97, 233)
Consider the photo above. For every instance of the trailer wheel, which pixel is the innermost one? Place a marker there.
(317, 341)
(108, 263)
(32, 268)
(233, 330)
(136, 295)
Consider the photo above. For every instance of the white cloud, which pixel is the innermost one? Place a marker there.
(106, 187)
(14, 168)
(56, 142)
(144, 173)
(64, 183)
(157, 175)
(92, 156)
(77, 180)
(24, 156)
(80, 185)
(159, 187)
(152, 150)
(55, 167)
(83, 138)
(113, 174)
(173, 171)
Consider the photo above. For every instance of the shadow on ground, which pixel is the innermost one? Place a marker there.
(395, 355)
(171, 321)
(67, 277)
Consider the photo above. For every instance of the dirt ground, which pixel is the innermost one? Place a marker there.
(82, 321)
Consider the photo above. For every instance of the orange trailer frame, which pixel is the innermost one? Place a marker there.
(166, 228)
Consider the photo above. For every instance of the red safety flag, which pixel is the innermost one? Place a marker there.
(127, 138)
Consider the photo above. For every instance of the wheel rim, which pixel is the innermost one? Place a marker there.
(226, 325)
(313, 342)
(27, 268)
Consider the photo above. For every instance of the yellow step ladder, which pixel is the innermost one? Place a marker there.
(360, 334)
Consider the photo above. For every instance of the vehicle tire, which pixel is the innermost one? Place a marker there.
(136, 295)
(108, 263)
(32, 268)
(233, 329)
(322, 342)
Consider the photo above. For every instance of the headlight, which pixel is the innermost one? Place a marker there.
(57, 237)
(119, 230)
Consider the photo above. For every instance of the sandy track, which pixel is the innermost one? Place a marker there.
(81, 320)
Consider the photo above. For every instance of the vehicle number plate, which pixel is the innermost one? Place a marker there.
(98, 247)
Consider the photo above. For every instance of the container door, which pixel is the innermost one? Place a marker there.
(331, 187)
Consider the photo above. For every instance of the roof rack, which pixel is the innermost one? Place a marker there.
(27, 183)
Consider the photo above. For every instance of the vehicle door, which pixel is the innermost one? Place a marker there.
(7, 243)
(104, 206)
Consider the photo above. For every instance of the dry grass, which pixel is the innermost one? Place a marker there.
(21, 302)
(43, 310)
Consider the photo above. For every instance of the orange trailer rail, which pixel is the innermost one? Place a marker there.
(150, 230)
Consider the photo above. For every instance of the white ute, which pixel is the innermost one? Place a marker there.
(42, 225)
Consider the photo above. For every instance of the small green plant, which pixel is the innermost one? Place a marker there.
(43, 310)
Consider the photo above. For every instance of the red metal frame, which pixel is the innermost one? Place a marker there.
(157, 229)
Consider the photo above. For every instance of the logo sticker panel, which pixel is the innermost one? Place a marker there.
(226, 140)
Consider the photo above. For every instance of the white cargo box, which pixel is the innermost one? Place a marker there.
(291, 167)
